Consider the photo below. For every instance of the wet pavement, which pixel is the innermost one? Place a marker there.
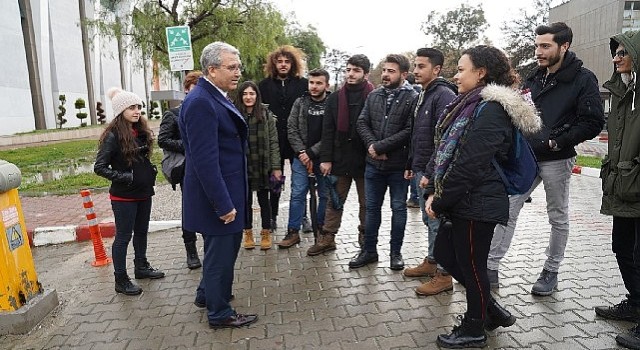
(318, 303)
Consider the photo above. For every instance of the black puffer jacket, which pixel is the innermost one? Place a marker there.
(570, 107)
(472, 188)
(133, 182)
(169, 134)
(280, 96)
(388, 133)
(436, 97)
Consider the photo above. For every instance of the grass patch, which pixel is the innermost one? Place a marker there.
(589, 161)
(72, 161)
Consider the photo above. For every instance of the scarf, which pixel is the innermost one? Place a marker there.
(450, 131)
(343, 103)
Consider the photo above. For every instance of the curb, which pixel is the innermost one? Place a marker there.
(64, 234)
(585, 171)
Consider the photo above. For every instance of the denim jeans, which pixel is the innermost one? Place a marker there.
(130, 217)
(432, 224)
(299, 190)
(555, 176)
(375, 188)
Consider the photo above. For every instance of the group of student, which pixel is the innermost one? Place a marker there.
(448, 138)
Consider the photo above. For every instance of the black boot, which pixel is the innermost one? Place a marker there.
(144, 270)
(497, 316)
(125, 286)
(193, 261)
(469, 334)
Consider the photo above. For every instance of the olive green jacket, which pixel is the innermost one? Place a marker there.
(620, 171)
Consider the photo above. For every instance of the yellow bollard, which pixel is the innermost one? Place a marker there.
(23, 302)
(17, 271)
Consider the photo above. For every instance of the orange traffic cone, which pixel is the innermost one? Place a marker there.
(98, 247)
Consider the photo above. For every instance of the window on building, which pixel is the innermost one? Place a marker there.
(631, 16)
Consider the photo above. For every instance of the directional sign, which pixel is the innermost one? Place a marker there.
(179, 48)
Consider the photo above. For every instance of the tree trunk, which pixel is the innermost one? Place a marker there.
(87, 63)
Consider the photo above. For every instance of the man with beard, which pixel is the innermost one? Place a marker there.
(305, 136)
(282, 86)
(342, 153)
(385, 128)
(435, 95)
(568, 99)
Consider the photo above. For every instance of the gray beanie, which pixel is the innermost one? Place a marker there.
(121, 99)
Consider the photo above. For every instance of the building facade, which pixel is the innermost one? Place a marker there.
(43, 58)
(593, 23)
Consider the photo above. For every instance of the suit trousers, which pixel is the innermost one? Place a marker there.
(220, 254)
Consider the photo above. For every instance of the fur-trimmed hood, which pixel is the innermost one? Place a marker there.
(523, 113)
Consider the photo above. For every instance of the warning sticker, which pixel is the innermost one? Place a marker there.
(10, 216)
(15, 237)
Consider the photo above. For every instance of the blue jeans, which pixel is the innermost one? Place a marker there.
(299, 190)
(130, 217)
(432, 224)
(413, 187)
(375, 188)
(555, 175)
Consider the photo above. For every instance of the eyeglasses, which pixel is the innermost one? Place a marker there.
(232, 68)
(621, 53)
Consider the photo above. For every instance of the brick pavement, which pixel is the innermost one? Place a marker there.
(318, 303)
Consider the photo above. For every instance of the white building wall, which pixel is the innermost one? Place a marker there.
(15, 93)
(58, 41)
(67, 62)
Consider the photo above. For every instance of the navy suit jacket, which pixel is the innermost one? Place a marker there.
(214, 136)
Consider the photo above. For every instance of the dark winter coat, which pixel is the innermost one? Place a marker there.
(297, 129)
(346, 153)
(570, 107)
(214, 135)
(436, 97)
(169, 134)
(132, 182)
(280, 96)
(473, 189)
(621, 167)
(388, 133)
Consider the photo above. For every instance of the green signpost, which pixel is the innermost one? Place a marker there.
(179, 48)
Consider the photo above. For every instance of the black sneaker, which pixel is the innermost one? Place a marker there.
(623, 311)
(545, 285)
(630, 339)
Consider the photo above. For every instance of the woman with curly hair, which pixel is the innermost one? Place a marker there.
(466, 190)
(124, 158)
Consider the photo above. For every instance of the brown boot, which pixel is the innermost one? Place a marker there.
(248, 242)
(265, 241)
(292, 238)
(426, 268)
(326, 242)
(438, 284)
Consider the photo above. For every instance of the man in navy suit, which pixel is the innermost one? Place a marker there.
(214, 135)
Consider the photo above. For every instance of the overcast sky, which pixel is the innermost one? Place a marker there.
(378, 28)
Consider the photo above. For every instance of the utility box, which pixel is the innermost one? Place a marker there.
(23, 303)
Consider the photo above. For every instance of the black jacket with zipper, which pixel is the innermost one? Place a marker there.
(570, 107)
(132, 182)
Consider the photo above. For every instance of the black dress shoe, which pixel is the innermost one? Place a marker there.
(396, 262)
(236, 321)
(202, 304)
(363, 258)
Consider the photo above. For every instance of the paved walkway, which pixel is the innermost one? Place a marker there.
(318, 303)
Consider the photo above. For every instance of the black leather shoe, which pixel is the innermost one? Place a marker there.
(623, 311)
(236, 321)
(363, 258)
(396, 262)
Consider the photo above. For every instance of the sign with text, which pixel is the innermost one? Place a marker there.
(179, 48)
